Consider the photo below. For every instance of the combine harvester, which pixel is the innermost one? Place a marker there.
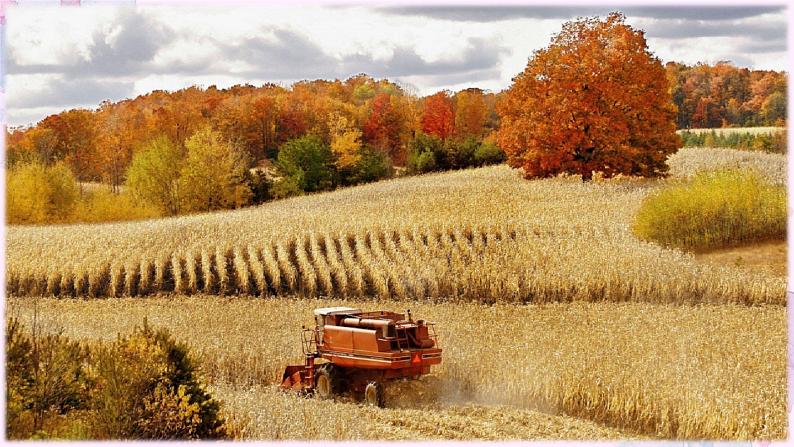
(362, 351)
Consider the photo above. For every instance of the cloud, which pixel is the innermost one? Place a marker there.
(126, 47)
(293, 56)
(68, 93)
(498, 13)
(681, 29)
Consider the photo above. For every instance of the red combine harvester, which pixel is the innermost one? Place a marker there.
(363, 350)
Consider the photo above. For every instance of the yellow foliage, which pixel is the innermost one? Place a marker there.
(37, 194)
(102, 205)
(345, 140)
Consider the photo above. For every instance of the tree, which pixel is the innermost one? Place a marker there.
(438, 118)
(594, 100)
(212, 176)
(774, 108)
(471, 113)
(384, 126)
(345, 140)
(308, 162)
(153, 176)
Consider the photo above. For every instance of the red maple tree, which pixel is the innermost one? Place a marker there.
(594, 100)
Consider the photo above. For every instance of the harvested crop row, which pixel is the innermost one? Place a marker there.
(510, 263)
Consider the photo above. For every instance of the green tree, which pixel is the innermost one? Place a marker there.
(212, 176)
(40, 194)
(308, 162)
(153, 176)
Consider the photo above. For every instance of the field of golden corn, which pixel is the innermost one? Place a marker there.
(548, 371)
(557, 322)
(474, 235)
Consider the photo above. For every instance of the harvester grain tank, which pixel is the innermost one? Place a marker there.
(352, 350)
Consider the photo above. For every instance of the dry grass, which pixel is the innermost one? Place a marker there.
(767, 258)
(480, 235)
(692, 160)
(708, 371)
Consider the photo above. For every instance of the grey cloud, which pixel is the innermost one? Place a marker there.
(293, 56)
(766, 46)
(680, 29)
(290, 56)
(497, 13)
(70, 92)
(481, 55)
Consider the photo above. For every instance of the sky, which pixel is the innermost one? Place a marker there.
(61, 58)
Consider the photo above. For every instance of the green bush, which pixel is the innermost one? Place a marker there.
(372, 165)
(309, 162)
(488, 153)
(716, 209)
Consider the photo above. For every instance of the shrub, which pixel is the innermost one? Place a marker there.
(148, 389)
(47, 377)
(287, 187)
(716, 209)
(260, 185)
(102, 205)
(460, 154)
(425, 153)
(143, 386)
(38, 194)
(309, 162)
(488, 153)
(372, 165)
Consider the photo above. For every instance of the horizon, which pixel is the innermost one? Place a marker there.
(59, 59)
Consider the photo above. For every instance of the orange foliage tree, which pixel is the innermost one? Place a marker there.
(438, 118)
(471, 112)
(594, 100)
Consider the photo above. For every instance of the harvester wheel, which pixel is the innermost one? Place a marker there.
(373, 394)
(327, 381)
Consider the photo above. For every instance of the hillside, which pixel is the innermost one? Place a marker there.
(480, 234)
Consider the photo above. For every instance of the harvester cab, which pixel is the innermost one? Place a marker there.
(352, 350)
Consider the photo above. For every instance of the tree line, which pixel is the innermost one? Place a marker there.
(202, 149)
(723, 95)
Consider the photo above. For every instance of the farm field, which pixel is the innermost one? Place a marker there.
(439, 236)
(556, 321)
(567, 370)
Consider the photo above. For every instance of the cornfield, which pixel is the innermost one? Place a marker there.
(571, 371)
(475, 235)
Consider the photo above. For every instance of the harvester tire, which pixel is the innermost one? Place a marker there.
(373, 394)
(327, 381)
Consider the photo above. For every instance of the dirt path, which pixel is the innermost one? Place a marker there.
(768, 257)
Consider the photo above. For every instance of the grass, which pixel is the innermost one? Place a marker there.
(473, 235)
(695, 372)
(714, 210)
